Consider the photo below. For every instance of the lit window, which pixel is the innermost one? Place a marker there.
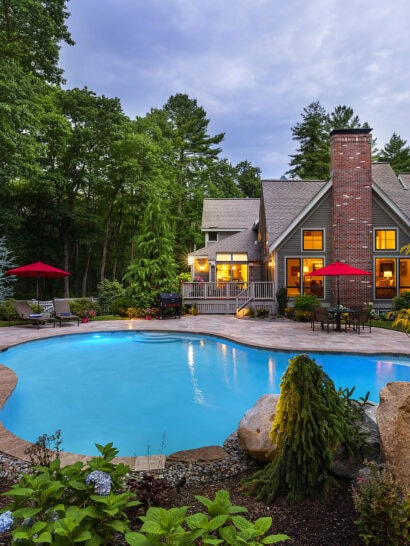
(312, 239)
(385, 239)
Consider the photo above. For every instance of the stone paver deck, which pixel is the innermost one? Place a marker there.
(275, 334)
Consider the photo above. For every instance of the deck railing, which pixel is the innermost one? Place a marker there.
(212, 290)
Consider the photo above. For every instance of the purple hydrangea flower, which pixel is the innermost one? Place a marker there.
(6, 521)
(101, 481)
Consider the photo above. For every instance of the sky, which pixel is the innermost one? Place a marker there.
(253, 65)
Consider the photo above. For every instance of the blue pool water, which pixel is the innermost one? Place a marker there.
(151, 392)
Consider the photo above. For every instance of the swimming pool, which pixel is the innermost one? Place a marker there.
(157, 392)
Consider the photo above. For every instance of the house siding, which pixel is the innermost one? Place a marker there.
(319, 218)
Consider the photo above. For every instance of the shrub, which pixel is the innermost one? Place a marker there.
(84, 307)
(301, 315)
(282, 299)
(7, 310)
(305, 302)
(78, 503)
(401, 302)
(312, 420)
(262, 312)
(108, 291)
(384, 511)
(121, 305)
(402, 320)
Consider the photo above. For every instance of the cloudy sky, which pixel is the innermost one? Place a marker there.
(253, 65)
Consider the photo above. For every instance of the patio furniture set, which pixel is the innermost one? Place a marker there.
(341, 318)
(62, 313)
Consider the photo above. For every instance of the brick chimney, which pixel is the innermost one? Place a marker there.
(352, 230)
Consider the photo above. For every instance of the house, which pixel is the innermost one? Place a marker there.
(360, 216)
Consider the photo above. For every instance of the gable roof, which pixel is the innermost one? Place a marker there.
(244, 241)
(286, 202)
(229, 214)
(392, 189)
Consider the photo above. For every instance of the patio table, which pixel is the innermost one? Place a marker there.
(338, 313)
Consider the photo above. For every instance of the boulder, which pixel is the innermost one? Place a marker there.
(255, 426)
(393, 420)
(348, 467)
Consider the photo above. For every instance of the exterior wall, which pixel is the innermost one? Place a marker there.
(352, 208)
(319, 218)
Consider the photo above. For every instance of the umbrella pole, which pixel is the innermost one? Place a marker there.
(38, 299)
(338, 291)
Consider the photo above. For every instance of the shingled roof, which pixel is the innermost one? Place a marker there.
(229, 214)
(244, 241)
(285, 201)
(395, 190)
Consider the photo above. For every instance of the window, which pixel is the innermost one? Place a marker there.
(312, 239)
(385, 239)
(212, 236)
(229, 270)
(404, 275)
(385, 276)
(297, 268)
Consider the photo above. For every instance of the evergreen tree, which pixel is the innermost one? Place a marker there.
(312, 159)
(310, 423)
(6, 263)
(397, 154)
(153, 268)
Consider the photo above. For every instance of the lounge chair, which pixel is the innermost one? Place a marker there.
(25, 312)
(63, 313)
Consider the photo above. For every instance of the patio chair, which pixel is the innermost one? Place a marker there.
(322, 315)
(25, 312)
(360, 318)
(62, 312)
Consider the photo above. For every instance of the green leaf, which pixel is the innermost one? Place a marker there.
(262, 525)
(197, 521)
(242, 524)
(44, 537)
(83, 537)
(273, 539)
(138, 539)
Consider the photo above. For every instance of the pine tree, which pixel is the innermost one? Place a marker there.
(312, 159)
(153, 268)
(6, 263)
(310, 423)
(397, 154)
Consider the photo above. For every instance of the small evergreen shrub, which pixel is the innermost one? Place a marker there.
(109, 291)
(312, 420)
(282, 299)
(262, 312)
(302, 316)
(383, 508)
(7, 310)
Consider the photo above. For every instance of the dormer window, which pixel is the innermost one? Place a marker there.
(213, 236)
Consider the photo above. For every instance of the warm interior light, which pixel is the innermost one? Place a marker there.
(305, 269)
(388, 274)
(190, 260)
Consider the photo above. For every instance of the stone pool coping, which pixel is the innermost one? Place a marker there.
(275, 334)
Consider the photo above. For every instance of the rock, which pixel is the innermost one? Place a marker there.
(255, 426)
(200, 455)
(347, 467)
(393, 420)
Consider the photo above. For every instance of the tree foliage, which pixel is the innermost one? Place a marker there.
(312, 158)
(6, 263)
(310, 424)
(397, 153)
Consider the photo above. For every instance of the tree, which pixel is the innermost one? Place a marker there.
(312, 159)
(310, 423)
(31, 32)
(153, 268)
(248, 179)
(6, 263)
(397, 154)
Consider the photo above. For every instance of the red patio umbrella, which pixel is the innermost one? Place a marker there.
(37, 270)
(337, 269)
